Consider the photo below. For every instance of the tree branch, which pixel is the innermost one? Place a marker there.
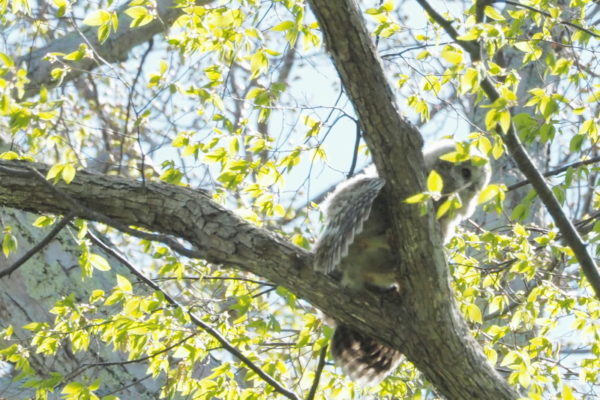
(318, 372)
(430, 322)
(531, 172)
(43, 243)
(434, 335)
(115, 49)
(546, 14)
(557, 171)
(234, 351)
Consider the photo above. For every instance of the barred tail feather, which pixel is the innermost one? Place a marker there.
(362, 358)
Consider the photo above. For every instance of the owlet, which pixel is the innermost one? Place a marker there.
(355, 245)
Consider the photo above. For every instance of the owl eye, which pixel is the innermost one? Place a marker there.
(466, 173)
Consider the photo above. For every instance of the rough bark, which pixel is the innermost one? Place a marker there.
(435, 337)
(423, 321)
(115, 49)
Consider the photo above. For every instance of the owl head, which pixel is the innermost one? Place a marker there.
(465, 171)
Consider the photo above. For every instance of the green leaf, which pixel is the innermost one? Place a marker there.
(99, 262)
(73, 388)
(520, 212)
(443, 209)
(54, 172)
(488, 193)
(567, 393)
(62, 6)
(284, 26)
(452, 55)
(492, 13)
(97, 18)
(96, 295)
(505, 120)
(140, 16)
(491, 355)
(43, 221)
(258, 63)
(103, 33)
(435, 183)
(95, 385)
(68, 173)
(417, 198)
(474, 313)
(525, 46)
(388, 5)
(9, 243)
(124, 284)
(524, 378)
(7, 60)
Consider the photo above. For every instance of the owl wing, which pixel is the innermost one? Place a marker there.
(346, 209)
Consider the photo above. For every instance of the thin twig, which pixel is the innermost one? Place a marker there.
(408, 49)
(546, 14)
(355, 152)
(128, 113)
(83, 367)
(557, 171)
(196, 321)
(132, 383)
(43, 243)
(526, 165)
(318, 372)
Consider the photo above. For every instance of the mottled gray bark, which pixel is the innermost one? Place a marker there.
(423, 321)
(435, 336)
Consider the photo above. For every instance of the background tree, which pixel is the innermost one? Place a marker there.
(225, 104)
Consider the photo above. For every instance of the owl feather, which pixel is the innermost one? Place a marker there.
(356, 244)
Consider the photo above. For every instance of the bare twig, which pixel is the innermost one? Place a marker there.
(355, 152)
(86, 366)
(318, 372)
(43, 243)
(198, 322)
(546, 14)
(128, 113)
(558, 171)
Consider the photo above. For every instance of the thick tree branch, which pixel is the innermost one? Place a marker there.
(434, 335)
(527, 167)
(115, 49)
(423, 323)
